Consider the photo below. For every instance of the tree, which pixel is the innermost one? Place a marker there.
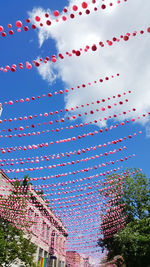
(136, 195)
(14, 246)
(132, 242)
(13, 228)
(113, 219)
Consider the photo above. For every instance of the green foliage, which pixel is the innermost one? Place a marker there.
(110, 224)
(13, 225)
(133, 241)
(14, 246)
(15, 207)
(136, 195)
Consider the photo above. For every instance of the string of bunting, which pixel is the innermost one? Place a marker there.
(126, 37)
(60, 92)
(47, 22)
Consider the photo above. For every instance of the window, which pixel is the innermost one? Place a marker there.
(45, 254)
(40, 254)
(57, 241)
(43, 229)
(61, 245)
(47, 232)
(35, 222)
(30, 214)
(52, 242)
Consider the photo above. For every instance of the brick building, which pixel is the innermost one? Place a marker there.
(47, 231)
(74, 259)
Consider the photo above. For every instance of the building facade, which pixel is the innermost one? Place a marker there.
(86, 262)
(47, 231)
(74, 259)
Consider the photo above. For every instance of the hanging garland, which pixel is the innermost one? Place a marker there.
(60, 92)
(37, 159)
(126, 37)
(48, 22)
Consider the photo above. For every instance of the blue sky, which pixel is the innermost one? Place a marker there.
(27, 83)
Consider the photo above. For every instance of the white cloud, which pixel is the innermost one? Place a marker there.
(47, 72)
(130, 59)
(148, 130)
